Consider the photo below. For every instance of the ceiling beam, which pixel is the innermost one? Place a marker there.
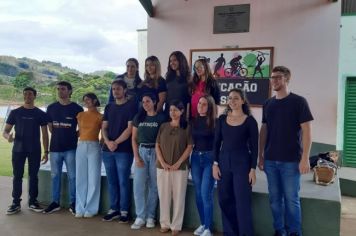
(147, 5)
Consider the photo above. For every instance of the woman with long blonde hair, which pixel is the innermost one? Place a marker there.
(154, 82)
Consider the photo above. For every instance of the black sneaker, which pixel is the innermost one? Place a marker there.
(72, 208)
(280, 233)
(13, 209)
(35, 207)
(123, 219)
(111, 215)
(53, 207)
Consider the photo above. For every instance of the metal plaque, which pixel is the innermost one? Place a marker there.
(232, 19)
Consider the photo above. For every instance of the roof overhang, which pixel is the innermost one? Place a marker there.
(147, 5)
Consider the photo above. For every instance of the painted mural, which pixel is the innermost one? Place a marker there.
(245, 68)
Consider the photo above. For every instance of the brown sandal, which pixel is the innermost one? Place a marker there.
(164, 230)
(175, 232)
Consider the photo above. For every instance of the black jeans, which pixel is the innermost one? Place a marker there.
(18, 165)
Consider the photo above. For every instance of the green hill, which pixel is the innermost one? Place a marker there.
(17, 73)
(44, 71)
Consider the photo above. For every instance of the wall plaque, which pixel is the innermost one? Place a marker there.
(232, 19)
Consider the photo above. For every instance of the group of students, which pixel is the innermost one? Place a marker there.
(166, 127)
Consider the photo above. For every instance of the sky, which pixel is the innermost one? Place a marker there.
(87, 35)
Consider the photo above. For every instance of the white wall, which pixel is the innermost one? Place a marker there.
(304, 34)
(347, 67)
(142, 50)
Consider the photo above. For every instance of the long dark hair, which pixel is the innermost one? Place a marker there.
(182, 121)
(211, 112)
(138, 79)
(183, 68)
(210, 81)
(142, 113)
(245, 107)
(93, 97)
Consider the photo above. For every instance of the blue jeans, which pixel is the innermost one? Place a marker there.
(88, 163)
(283, 187)
(145, 183)
(118, 170)
(56, 160)
(201, 169)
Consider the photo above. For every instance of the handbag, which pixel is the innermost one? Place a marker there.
(324, 172)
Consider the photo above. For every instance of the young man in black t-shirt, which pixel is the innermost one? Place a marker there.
(28, 121)
(285, 142)
(62, 124)
(117, 151)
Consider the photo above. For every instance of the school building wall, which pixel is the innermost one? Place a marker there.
(347, 68)
(304, 34)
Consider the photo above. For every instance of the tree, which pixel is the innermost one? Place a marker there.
(23, 79)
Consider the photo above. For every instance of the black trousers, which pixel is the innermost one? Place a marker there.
(18, 166)
(235, 193)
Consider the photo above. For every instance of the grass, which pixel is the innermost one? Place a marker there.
(5, 156)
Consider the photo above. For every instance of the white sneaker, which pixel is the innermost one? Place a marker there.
(150, 223)
(199, 230)
(206, 233)
(138, 223)
(78, 215)
(87, 215)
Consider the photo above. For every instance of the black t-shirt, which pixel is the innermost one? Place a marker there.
(148, 128)
(283, 118)
(177, 90)
(242, 140)
(118, 117)
(27, 124)
(132, 89)
(203, 136)
(64, 126)
(162, 87)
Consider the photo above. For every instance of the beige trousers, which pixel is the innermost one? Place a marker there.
(172, 185)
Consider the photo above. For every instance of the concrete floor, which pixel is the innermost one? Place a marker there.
(348, 216)
(62, 223)
(28, 223)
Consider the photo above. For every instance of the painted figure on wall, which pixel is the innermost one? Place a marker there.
(220, 64)
(260, 59)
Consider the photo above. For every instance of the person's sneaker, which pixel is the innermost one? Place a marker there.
(13, 209)
(206, 233)
(123, 219)
(150, 223)
(78, 215)
(72, 208)
(87, 215)
(34, 206)
(199, 230)
(138, 223)
(111, 215)
(280, 233)
(53, 207)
